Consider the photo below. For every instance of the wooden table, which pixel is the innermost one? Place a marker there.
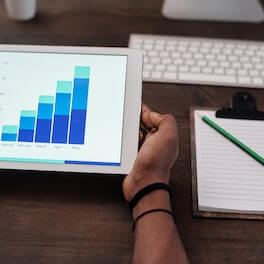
(73, 218)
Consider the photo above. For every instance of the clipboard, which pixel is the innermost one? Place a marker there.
(243, 107)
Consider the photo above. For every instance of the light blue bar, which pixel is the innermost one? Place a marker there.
(46, 99)
(28, 113)
(82, 72)
(32, 160)
(9, 129)
(64, 87)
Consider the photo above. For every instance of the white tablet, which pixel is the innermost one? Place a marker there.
(69, 108)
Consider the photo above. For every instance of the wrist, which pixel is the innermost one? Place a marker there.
(134, 182)
(156, 199)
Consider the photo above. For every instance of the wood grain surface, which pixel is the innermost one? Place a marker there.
(73, 218)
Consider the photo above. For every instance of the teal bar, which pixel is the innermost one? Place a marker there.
(32, 160)
(28, 113)
(64, 87)
(46, 99)
(82, 72)
(9, 129)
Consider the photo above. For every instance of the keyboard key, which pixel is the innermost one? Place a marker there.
(210, 57)
(186, 55)
(146, 59)
(244, 80)
(236, 65)
(253, 73)
(233, 58)
(259, 66)
(248, 66)
(190, 62)
(146, 74)
(221, 57)
(244, 59)
(158, 47)
(213, 63)
(175, 55)
(171, 68)
(166, 61)
(153, 53)
(250, 52)
(238, 52)
(258, 81)
(182, 48)
(147, 47)
(230, 72)
(148, 67)
(160, 42)
(207, 70)
(198, 56)
(224, 64)
(195, 69)
(155, 60)
(170, 48)
(219, 71)
(156, 75)
(170, 75)
(207, 78)
(160, 67)
(178, 62)
(256, 59)
(183, 69)
(242, 72)
(164, 54)
(201, 63)
(193, 49)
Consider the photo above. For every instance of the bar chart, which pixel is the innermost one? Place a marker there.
(59, 108)
(59, 118)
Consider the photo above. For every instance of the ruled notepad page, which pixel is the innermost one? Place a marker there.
(229, 180)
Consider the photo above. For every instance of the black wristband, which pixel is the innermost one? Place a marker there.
(146, 190)
(152, 211)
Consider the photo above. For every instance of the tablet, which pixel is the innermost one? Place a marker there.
(69, 108)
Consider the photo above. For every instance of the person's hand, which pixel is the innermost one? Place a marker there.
(157, 154)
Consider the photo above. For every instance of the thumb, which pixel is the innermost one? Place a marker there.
(155, 119)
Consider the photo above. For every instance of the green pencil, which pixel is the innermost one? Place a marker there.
(241, 145)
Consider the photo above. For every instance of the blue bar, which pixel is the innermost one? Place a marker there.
(25, 135)
(92, 163)
(43, 131)
(77, 127)
(43, 128)
(61, 118)
(26, 127)
(80, 94)
(8, 137)
(60, 129)
(79, 109)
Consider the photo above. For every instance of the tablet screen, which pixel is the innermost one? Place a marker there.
(62, 108)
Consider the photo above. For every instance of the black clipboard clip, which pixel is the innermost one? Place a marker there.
(243, 107)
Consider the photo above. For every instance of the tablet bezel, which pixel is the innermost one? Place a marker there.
(132, 109)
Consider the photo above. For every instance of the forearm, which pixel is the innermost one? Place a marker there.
(156, 237)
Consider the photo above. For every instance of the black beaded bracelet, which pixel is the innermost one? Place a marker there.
(152, 211)
(146, 190)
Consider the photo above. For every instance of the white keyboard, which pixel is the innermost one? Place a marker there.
(201, 61)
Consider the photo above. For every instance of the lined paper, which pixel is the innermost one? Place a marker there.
(229, 180)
